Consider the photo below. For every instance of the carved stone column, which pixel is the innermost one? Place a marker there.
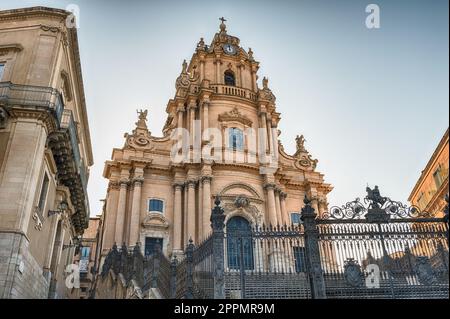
(272, 213)
(254, 85)
(121, 206)
(202, 68)
(240, 67)
(269, 135)
(177, 219)
(278, 206)
(284, 213)
(180, 111)
(218, 62)
(263, 120)
(205, 105)
(191, 109)
(135, 211)
(206, 180)
(191, 210)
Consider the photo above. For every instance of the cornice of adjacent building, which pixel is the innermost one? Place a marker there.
(46, 12)
(444, 140)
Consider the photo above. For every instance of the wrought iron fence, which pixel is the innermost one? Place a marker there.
(400, 259)
(383, 249)
(203, 270)
(379, 250)
(181, 280)
(266, 262)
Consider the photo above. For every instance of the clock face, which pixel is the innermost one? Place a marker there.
(229, 48)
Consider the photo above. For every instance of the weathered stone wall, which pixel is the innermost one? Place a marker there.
(20, 275)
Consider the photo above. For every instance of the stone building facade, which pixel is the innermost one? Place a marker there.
(429, 192)
(88, 255)
(220, 139)
(45, 152)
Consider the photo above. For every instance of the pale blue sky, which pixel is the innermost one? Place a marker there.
(372, 104)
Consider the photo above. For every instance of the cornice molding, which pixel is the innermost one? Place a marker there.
(442, 144)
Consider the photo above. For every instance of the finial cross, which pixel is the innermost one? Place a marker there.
(222, 19)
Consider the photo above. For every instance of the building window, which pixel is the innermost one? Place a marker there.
(236, 139)
(156, 205)
(229, 78)
(151, 244)
(239, 240)
(421, 201)
(295, 219)
(437, 176)
(85, 252)
(2, 68)
(300, 260)
(43, 195)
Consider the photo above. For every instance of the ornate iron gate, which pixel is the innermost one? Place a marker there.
(378, 248)
(266, 262)
(383, 249)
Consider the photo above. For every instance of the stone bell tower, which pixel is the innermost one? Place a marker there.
(153, 198)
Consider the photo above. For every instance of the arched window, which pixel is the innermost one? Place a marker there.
(239, 243)
(229, 78)
(236, 139)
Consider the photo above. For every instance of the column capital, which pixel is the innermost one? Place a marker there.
(138, 181)
(262, 111)
(192, 105)
(269, 186)
(190, 183)
(283, 195)
(123, 182)
(180, 108)
(178, 185)
(206, 179)
(277, 190)
(113, 185)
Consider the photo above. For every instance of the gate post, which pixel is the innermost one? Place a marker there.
(315, 273)
(155, 273)
(173, 277)
(217, 224)
(189, 270)
(446, 217)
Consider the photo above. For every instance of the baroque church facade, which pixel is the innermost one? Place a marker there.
(153, 199)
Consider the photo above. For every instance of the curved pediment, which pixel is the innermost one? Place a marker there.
(155, 220)
(241, 189)
(235, 116)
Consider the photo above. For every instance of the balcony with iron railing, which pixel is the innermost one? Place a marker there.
(63, 140)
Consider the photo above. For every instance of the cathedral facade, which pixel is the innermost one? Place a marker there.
(221, 138)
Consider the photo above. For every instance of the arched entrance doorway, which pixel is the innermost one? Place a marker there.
(239, 243)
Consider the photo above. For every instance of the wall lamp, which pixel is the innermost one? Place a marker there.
(62, 207)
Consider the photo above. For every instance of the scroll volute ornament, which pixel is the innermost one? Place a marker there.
(302, 157)
(265, 93)
(141, 137)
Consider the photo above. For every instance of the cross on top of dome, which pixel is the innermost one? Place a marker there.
(222, 24)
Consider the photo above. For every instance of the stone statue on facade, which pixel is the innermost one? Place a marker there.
(300, 141)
